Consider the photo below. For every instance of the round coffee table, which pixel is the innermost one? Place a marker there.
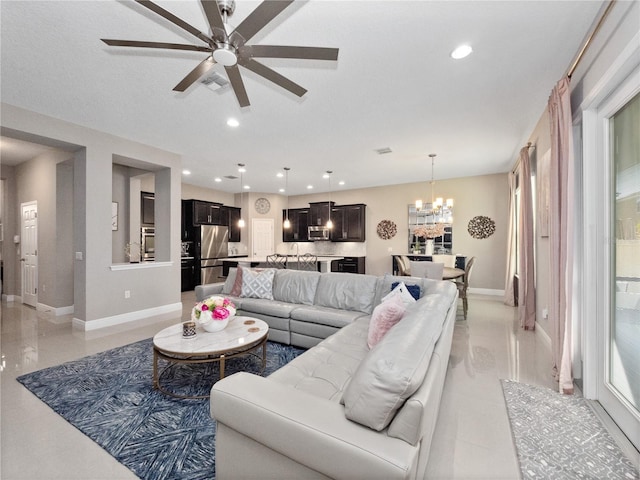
(242, 336)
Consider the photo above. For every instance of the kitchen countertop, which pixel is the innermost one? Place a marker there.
(292, 258)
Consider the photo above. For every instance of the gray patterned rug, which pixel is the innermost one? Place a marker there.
(110, 398)
(559, 437)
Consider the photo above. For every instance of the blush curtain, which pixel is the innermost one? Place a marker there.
(509, 298)
(561, 198)
(526, 258)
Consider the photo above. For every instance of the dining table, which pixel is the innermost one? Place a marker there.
(449, 273)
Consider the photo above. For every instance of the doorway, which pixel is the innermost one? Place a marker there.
(29, 252)
(262, 237)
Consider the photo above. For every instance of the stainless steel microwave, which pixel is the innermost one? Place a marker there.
(319, 233)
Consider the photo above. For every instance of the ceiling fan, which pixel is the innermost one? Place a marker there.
(228, 46)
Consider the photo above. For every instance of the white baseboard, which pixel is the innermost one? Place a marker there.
(544, 336)
(57, 311)
(11, 298)
(128, 317)
(487, 291)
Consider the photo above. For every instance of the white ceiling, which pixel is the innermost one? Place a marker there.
(394, 85)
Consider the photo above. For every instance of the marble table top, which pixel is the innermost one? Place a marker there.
(240, 334)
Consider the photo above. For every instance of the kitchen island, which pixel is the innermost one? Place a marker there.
(324, 262)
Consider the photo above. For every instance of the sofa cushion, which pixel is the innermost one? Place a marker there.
(384, 316)
(293, 286)
(257, 283)
(346, 291)
(268, 307)
(394, 369)
(326, 369)
(324, 315)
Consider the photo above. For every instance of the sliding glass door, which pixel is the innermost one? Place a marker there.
(622, 377)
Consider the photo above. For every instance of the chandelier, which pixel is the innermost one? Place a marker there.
(438, 211)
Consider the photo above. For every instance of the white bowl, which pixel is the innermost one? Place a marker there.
(215, 325)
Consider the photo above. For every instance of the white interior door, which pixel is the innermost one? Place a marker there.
(262, 237)
(29, 249)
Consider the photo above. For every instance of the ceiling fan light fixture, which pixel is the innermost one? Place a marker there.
(225, 55)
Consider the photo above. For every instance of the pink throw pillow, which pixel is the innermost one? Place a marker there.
(385, 316)
(236, 290)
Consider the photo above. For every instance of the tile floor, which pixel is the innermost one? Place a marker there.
(472, 438)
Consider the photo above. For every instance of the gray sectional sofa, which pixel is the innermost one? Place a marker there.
(340, 410)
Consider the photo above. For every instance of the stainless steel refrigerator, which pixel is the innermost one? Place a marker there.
(211, 246)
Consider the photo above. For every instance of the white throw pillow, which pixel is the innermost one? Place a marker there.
(258, 283)
(401, 290)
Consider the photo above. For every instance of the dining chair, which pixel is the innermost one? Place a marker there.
(308, 262)
(448, 260)
(404, 267)
(427, 269)
(277, 260)
(463, 285)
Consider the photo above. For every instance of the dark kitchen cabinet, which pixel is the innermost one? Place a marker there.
(349, 223)
(188, 274)
(349, 265)
(147, 209)
(199, 212)
(319, 213)
(235, 232)
(298, 232)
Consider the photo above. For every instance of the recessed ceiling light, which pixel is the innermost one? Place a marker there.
(309, 187)
(247, 187)
(341, 182)
(461, 52)
(217, 179)
(186, 172)
(279, 174)
(281, 190)
(232, 122)
(325, 175)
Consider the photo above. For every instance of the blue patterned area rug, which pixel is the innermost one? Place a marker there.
(110, 398)
(560, 437)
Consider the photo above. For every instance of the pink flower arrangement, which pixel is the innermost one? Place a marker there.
(429, 230)
(221, 308)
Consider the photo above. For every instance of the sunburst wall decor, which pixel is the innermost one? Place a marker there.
(481, 227)
(387, 229)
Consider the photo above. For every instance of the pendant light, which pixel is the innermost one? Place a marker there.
(329, 222)
(241, 169)
(438, 210)
(287, 223)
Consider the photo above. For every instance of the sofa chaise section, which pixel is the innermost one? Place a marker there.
(307, 419)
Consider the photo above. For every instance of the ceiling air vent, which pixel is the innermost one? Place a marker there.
(214, 81)
(382, 151)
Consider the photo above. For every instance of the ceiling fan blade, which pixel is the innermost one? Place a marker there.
(275, 77)
(212, 11)
(175, 20)
(278, 51)
(193, 76)
(238, 85)
(263, 14)
(170, 46)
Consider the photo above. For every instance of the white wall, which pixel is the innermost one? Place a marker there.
(98, 289)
